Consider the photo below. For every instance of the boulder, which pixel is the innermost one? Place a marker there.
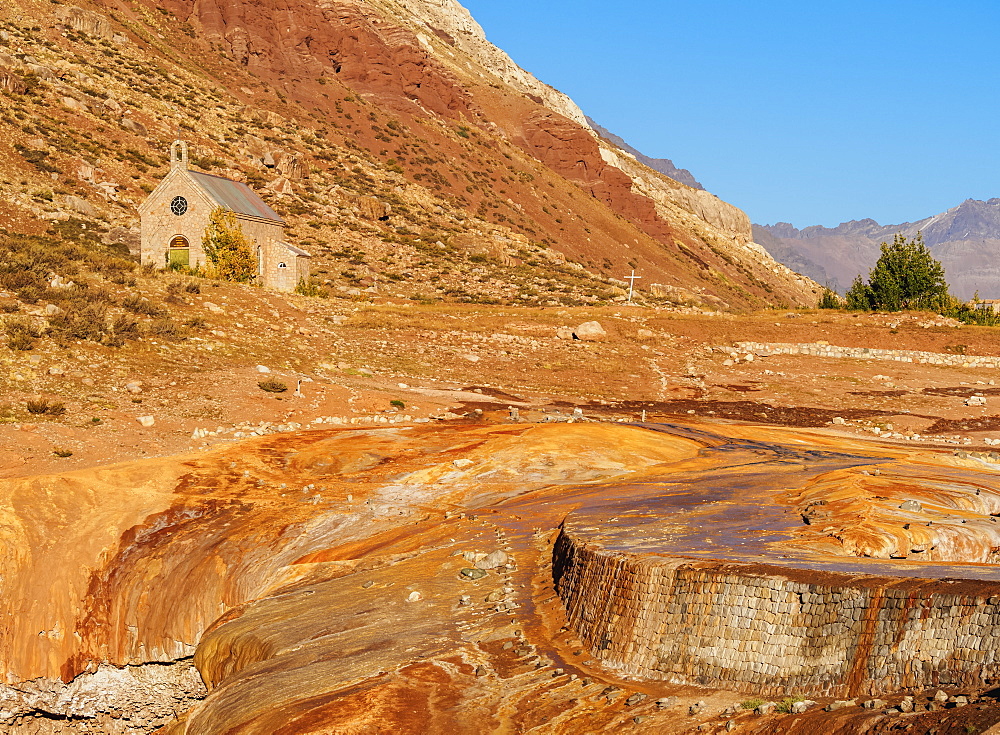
(591, 332)
(134, 126)
(81, 206)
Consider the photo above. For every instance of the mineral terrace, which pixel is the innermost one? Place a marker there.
(490, 575)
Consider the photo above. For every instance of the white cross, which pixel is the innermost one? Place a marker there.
(631, 283)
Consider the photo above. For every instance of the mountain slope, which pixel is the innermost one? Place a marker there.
(965, 239)
(395, 139)
(664, 165)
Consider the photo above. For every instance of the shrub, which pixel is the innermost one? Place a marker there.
(272, 386)
(196, 323)
(395, 402)
(311, 288)
(785, 705)
(752, 703)
(62, 452)
(82, 321)
(125, 327)
(829, 300)
(20, 342)
(44, 407)
(21, 335)
(165, 328)
(138, 305)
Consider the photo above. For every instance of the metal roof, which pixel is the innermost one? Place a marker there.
(234, 195)
(294, 250)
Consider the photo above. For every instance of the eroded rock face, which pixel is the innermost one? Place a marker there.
(110, 700)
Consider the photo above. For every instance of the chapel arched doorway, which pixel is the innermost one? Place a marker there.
(178, 254)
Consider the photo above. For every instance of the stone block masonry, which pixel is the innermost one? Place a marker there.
(772, 631)
(813, 349)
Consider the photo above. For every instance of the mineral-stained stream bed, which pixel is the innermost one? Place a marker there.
(510, 578)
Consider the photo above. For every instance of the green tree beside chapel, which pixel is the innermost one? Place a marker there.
(906, 276)
(228, 250)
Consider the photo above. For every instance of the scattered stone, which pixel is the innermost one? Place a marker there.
(52, 310)
(262, 368)
(911, 505)
(940, 697)
(840, 704)
(766, 708)
(798, 708)
(146, 421)
(590, 332)
(635, 699)
(874, 704)
(906, 705)
(465, 600)
(839, 420)
(134, 387)
(369, 584)
(975, 401)
(462, 463)
(695, 708)
(470, 573)
(414, 597)
(481, 671)
(491, 561)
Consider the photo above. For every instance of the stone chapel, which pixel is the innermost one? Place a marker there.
(175, 215)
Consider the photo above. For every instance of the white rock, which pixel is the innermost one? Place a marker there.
(146, 421)
(491, 561)
(591, 331)
(471, 358)
(460, 463)
(135, 387)
(263, 369)
(214, 308)
(414, 597)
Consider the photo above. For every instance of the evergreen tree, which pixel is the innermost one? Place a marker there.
(228, 250)
(906, 276)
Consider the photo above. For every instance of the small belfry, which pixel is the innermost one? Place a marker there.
(175, 216)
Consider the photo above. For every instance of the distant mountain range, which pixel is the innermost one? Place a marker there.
(663, 165)
(966, 239)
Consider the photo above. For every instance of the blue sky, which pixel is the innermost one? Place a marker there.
(809, 113)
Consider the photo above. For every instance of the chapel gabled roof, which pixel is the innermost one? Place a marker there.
(294, 250)
(234, 195)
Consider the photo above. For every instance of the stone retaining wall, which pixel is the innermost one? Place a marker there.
(772, 631)
(764, 349)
